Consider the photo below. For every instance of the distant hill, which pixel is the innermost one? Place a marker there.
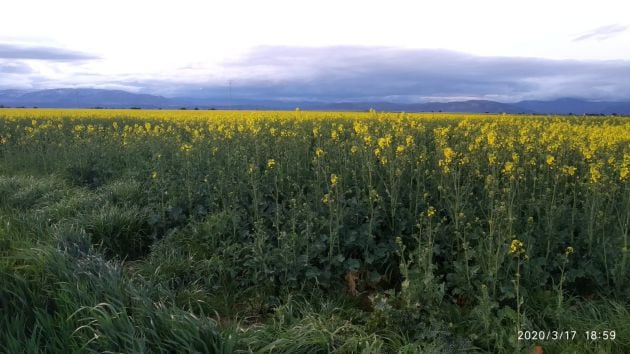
(479, 106)
(560, 106)
(90, 98)
(81, 98)
(472, 106)
(576, 106)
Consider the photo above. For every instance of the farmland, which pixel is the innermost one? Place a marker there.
(218, 231)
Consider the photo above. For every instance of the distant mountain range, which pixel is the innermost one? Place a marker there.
(81, 98)
(98, 98)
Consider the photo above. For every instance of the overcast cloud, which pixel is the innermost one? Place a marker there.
(602, 33)
(14, 68)
(13, 51)
(412, 75)
(333, 73)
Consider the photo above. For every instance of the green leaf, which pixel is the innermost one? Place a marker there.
(352, 264)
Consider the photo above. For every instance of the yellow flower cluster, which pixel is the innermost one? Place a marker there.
(591, 151)
(516, 247)
(334, 179)
(185, 147)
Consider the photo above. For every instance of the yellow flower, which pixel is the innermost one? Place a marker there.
(271, 163)
(334, 179)
(400, 150)
(319, 152)
(354, 149)
(327, 198)
(568, 251)
(596, 175)
(373, 195)
(588, 154)
(385, 141)
(449, 154)
(444, 166)
(492, 159)
(154, 175)
(550, 160)
(508, 167)
(185, 147)
(568, 170)
(492, 137)
(516, 247)
(430, 212)
(360, 128)
(441, 132)
(624, 173)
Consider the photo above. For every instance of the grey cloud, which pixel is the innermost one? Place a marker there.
(349, 73)
(357, 73)
(601, 33)
(12, 51)
(14, 68)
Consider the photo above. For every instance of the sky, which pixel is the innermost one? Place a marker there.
(408, 51)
